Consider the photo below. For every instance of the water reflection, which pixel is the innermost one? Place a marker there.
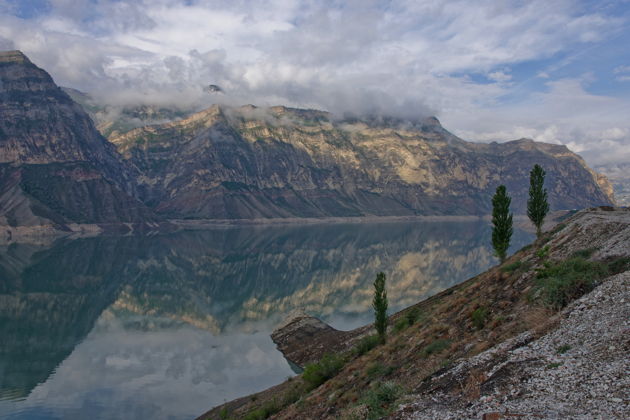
(167, 326)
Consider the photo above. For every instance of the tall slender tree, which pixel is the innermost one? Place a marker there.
(380, 307)
(502, 222)
(537, 206)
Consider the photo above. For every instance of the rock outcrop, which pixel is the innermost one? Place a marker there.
(251, 162)
(55, 168)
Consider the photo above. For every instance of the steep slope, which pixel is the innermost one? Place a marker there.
(55, 168)
(251, 162)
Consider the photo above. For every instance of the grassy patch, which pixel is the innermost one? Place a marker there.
(619, 265)
(401, 324)
(583, 253)
(412, 316)
(543, 252)
(380, 399)
(317, 373)
(561, 282)
(365, 344)
(435, 347)
(510, 268)
(377, 370)
(563, 349)
(479, 317)
(553, 365)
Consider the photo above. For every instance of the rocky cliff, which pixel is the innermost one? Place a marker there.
(252, 162)
(55, 168)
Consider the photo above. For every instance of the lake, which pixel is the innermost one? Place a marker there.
(168, 326)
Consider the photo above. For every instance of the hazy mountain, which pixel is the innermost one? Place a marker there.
(253, 162)
(619, 176)
(55, 168)
(249, 162)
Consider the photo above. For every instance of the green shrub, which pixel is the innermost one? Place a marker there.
(380, 398)
(317, 373)
(510, 268)
(268, 409)
(479, 317)
(365, 344)
(377, 369)
(583, 253)
(435, 347)
(561, 282)
(412, 316)
(563, 349)
(619, 265)
(401, 324)
(543, 252)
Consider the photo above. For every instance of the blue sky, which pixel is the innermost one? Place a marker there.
(556, 71)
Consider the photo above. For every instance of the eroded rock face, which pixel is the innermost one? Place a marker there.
(280, 162)
(55, 168)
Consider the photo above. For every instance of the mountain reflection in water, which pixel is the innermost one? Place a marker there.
(168, 326)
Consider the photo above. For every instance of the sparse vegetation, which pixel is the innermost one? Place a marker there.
(317, 373)
(561, 282)
(412, 316)
(435, 347)
(401, 324)
(563, 349)
(380, 398)
(479, 317)
(365, 344)
(510, 268)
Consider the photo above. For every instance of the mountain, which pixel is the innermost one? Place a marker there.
(113, 121)
(251, 162)
(55, 168)
(619, 176)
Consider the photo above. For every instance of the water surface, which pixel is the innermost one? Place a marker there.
(165, 327)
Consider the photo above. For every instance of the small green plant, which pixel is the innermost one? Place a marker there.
(563, 349)
(401, 324)
(224, 413)
(435, 347)
(365, 344)
(479, 317)
(583, 253)
(380, 399)
(543, 252)
(379, 303)
(619, 265)
(561, 282)
(553, 365)
(268, 409)
(412, 316)
(317, 373)
(510, 268)
(376, 370)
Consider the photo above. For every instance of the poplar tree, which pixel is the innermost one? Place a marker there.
(537, 206)
(380, 307)
(502, 222)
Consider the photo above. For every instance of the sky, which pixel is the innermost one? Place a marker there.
(556, 71)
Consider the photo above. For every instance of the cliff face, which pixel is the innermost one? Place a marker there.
(55, 168)
(280, 162)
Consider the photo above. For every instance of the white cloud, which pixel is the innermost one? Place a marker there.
(407, 58)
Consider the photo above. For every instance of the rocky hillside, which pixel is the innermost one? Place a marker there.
(55, 168)
(543, 335)
(251, 162)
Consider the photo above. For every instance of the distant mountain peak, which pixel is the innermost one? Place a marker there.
(13, 56)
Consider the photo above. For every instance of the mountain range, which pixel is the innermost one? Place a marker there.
(57, 170)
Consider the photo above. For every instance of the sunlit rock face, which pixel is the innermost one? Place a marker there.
(254, 162)
(55, 168)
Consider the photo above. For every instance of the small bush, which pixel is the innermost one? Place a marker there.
(401, 324)
(435, 347)
(543, 252)
(317, 373)
(583, 253)
(412, 316)
(380, 398)
(268, 409)
(510, 268)
(376, 370)
(365, 344)
(560, 283)
(563, 349)
(479, 317)
(619, 265)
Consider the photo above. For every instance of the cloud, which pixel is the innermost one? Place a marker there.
(406, 58)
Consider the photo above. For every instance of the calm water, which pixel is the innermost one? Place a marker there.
(165, 327)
